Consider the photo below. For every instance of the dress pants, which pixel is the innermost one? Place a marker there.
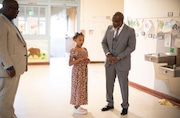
(8, 89)
(111, 73)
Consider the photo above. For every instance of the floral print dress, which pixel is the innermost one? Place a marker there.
(79, 78)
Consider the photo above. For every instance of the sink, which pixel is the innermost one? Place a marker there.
(170, 70)
(161, 58)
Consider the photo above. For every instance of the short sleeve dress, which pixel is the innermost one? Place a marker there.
(79, 95)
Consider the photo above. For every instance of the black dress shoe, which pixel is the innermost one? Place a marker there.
(124, 111)
(106, 108)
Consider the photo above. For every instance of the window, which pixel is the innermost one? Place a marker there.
(32, 20)
(0, 6)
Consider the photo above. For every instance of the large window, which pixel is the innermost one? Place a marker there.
(32, 20)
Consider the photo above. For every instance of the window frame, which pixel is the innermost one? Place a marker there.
(34, 36)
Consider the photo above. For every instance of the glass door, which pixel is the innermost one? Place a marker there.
(63, 26)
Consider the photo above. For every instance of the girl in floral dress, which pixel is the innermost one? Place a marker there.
(79, 59)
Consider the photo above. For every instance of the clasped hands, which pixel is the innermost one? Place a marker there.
(86, 59)
(112, 59)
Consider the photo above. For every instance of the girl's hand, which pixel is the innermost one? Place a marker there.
(87, 59)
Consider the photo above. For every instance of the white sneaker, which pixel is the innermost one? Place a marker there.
(80, 110)
(84, 109)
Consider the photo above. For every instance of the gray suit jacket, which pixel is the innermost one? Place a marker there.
(126, 43)
(13, 50)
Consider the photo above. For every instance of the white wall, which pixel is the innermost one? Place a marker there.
(95, 16)
(143, 71)
(151, 8)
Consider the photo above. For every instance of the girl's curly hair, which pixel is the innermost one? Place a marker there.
(77, 34)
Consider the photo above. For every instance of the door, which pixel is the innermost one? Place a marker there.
(62, 28)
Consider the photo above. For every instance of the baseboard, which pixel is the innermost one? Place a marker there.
(38, 63)
(47, 63)
(155, 93)
(97, 62)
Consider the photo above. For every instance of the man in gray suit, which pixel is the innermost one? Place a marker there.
(118, 43)
(13, 58)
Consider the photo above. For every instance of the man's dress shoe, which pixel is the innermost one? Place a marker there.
(124, 111)
(106, 108)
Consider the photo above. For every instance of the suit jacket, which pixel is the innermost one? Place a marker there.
(13, 50)
(125, 45)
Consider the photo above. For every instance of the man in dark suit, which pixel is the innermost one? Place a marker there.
(13, 58)
(118, 43)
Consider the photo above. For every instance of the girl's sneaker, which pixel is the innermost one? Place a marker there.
(80, 110)
(84, 109)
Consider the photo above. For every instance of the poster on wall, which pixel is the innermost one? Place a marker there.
(37, 52)
(32, 25)
(150, 28)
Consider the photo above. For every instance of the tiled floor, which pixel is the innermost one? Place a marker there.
(44, 92)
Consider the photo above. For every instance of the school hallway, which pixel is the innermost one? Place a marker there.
(44, 92)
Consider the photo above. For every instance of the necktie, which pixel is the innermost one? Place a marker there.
(116, 35)
(115, 41)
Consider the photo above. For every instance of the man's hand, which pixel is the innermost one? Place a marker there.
(112, 59)
(109, 56)
(11, 73)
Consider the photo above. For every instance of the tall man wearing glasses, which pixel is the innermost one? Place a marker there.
(13, 58)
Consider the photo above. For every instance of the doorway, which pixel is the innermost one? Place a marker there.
(63, 26)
